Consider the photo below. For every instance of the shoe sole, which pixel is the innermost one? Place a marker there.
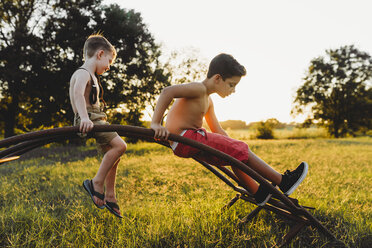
(264, 201)
(302, 177)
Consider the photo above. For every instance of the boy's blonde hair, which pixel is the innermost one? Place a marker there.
(96, 42)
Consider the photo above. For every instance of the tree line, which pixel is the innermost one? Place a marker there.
(41, 46)
(337, 92)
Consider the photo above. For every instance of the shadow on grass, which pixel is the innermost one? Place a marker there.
(61, 153)
(70, 152)
(347, 233)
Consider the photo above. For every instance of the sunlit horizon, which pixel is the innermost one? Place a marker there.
(274, 40)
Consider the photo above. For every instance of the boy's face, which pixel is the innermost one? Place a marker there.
(104, 60)
(227, 87)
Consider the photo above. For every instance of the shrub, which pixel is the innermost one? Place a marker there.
(265, 130)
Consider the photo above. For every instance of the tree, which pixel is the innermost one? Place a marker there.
(182, 66)
(186, 65)
(265, 129)
(337, 90)
(139, 75)
(19, 27)
(41, 46)
(275, 123)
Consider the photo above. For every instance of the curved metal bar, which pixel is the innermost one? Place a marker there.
(31, 144)
(132, 131)
(37, 134)
(34, 142)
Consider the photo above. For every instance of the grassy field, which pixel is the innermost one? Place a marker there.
(285, 133)
(173, 202)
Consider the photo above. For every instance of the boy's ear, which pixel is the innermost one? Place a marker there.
(217, 77)
(100, 54)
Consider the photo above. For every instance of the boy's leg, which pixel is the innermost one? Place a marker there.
(246, 180)
(287, 182)
(110, 195)
(262, 168)
(117, 147)
(260, 193)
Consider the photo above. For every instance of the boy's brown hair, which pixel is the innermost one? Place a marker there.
(96, 42)
(226, 66)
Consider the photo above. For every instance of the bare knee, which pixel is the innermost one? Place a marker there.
(122, 148)
(119, 146)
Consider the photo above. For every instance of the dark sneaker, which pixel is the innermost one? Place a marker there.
(291, 179)
(262, 196)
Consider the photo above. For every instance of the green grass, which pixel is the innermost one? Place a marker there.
(173, 202)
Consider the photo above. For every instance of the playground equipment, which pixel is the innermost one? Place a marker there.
(284, 206)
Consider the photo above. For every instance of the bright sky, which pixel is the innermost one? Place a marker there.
(274, 39)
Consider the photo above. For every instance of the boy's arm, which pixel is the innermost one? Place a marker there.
(211, 119)
(190, 90)
(82, 79)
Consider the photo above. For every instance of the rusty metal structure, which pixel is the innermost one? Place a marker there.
(283, 206)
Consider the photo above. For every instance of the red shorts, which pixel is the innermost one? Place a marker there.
(235, 148)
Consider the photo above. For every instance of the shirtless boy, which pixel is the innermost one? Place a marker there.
(86, 99)
(185, 118)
